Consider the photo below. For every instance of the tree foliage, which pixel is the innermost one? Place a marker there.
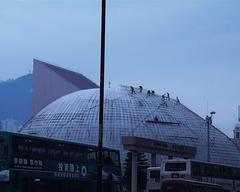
(142, 165)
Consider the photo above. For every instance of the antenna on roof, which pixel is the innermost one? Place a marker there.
(207, 106)
(239, 113)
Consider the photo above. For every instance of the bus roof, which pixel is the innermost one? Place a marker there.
(51, 139)
(195, 160)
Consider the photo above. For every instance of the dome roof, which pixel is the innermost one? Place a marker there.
(74, 117)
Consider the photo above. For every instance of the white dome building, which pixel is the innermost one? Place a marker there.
(74, 117)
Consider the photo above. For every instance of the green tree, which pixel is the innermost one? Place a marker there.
(142, 165)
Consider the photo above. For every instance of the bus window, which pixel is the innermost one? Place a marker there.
(155, 174)
(107, 159)
(196, 169)
(235, 174)
(3, 149)
(65, 154)
(92, 156)
(1, 139)
(54, 153)
(115, 158)
(21, 146)
(208, 171)
(215, 171)
(78, 156)
(38, 149)
(226, 172)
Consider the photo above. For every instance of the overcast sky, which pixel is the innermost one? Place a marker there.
(189, 48)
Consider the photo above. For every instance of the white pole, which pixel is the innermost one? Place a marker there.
(134, 172)
(239, 113)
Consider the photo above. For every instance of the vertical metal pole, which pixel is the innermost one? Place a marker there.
(134, 172)
(208, 135)
(101, 98)
(238, 112)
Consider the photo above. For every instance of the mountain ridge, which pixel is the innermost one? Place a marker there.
(16, 99)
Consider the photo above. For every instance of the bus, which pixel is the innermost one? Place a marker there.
(183, 185)
(153, 179)
(33, 164)
(224, 175)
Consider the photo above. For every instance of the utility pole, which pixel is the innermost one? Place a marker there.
(101, 98)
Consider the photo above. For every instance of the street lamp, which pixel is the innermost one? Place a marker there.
(101, 98)
(209, 122)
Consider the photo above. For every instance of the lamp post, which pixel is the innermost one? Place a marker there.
(209, 122)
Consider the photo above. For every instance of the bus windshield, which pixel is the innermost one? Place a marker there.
(175, 166)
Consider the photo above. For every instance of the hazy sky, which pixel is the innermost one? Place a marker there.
(189, 48)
